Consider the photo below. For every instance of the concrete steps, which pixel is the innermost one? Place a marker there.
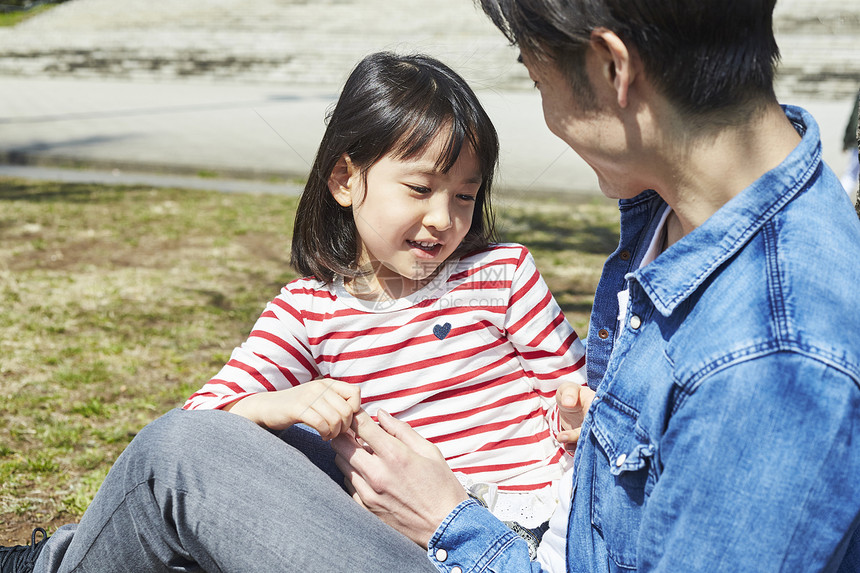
(316, 42)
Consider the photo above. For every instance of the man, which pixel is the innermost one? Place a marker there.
(723, 343)
(722, 346)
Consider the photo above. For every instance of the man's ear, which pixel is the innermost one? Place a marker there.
(617, 65)
(342, 180)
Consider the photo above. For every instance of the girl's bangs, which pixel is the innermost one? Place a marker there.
(423, 130)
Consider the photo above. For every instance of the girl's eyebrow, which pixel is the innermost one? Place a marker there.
(428, 170)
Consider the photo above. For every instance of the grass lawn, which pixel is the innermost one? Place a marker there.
(12, 18)
(116, 303)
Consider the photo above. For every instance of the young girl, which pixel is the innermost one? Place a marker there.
(406, 304)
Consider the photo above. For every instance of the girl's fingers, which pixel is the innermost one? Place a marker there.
(332, 401)
(350, 393)
(328, 414)
(342, 407)
(569, 439)
(568, 397)
(316, 421)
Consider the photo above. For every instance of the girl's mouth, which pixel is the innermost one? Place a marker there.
(428, 247)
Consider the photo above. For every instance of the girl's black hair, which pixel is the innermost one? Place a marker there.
(390, 104)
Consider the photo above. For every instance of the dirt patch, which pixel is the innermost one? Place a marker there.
(18, 530)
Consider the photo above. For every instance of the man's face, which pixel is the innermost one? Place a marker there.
(557, 96)
(593, 128)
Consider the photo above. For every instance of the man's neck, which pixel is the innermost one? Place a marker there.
(707, 171)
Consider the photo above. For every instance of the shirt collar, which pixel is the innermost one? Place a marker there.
(679, 271)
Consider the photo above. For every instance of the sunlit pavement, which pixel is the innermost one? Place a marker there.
(241, 88)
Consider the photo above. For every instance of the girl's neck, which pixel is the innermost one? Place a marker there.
(374, 287)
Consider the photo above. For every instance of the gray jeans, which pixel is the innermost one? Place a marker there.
(212, 491)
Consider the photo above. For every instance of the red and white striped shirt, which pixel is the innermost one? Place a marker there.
(471, 361)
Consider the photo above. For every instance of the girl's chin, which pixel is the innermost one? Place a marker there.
(408, 283)
(406, 277)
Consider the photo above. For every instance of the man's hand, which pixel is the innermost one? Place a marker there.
(573, 401)
(398, 475)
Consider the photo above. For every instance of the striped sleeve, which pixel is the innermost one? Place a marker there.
(275, 356)
(549, 349)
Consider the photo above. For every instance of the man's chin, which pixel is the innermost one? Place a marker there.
(608, 190)
(615, 191)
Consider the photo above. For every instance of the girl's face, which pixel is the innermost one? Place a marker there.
(410, 217)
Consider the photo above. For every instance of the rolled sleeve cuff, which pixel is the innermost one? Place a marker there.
(472, 540)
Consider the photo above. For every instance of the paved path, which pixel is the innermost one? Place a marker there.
(248, 131)
(302, 42)
(241, 88)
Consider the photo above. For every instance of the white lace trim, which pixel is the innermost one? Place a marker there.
(529, 509)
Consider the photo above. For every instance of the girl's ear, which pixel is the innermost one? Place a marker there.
(342, 180)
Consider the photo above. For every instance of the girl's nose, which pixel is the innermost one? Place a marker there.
(438, 216)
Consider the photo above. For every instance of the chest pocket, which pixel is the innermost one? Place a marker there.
(623, 479)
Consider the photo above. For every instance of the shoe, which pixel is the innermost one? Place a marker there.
(22, 558)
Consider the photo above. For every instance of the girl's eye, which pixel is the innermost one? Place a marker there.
(420, 189)
(471, 198)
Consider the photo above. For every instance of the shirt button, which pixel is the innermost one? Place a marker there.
(625, 255)
(441, 555)
(603, 334)
(456, 569)
(621, 459)
(635, 322)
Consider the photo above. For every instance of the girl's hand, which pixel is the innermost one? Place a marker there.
(326, 405)
(398, 475)
(573, 401)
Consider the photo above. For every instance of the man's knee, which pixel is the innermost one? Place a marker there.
(188, 439)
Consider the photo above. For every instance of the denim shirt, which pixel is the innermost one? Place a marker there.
(725, 434)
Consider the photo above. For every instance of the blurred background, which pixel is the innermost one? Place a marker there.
(239, 89)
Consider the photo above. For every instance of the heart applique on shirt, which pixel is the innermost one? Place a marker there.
(442, 330)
